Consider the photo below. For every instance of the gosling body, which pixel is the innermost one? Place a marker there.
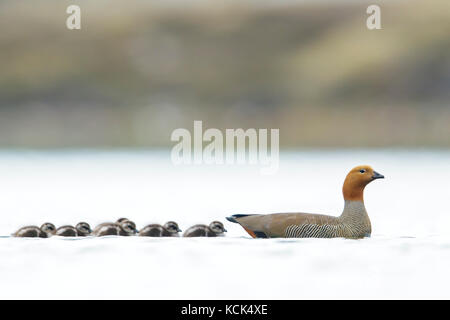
(170, 229)
(30, 232)
(66, 231)
(45, 231)
(106, 229)
(124, 228)
(215, 229)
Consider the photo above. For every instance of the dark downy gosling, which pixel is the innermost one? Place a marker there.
(127, 228)
(106, 229)
(83, 229)
(124, 228)
(45, 231)
(170, 229)
(215, 229)
(66, 231)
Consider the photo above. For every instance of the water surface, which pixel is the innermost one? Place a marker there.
(407, 256)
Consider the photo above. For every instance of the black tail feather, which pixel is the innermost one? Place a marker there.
(231, 219)
(237, 216)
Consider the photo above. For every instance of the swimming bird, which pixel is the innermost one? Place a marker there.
(106, 229)
(215, 229)
(127, 228)
(353, 223)
(45, 231)
(124, 228)
(120, 221)
(66, 231)
(83, 229)
(170, 229)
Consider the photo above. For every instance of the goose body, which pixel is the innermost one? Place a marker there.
(353, 223)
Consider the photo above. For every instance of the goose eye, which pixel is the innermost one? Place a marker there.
(362, 170)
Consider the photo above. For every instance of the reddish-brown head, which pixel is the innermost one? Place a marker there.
(357, 179)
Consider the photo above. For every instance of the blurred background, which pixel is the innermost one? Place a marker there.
(86, 118)
(139, 69)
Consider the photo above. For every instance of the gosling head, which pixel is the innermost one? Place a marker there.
(357, 179)
(217, 227)
(83, 229)
(129, 227)
(172, 227)
(48, 228)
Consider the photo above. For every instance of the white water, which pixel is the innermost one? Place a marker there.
(407, 256)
